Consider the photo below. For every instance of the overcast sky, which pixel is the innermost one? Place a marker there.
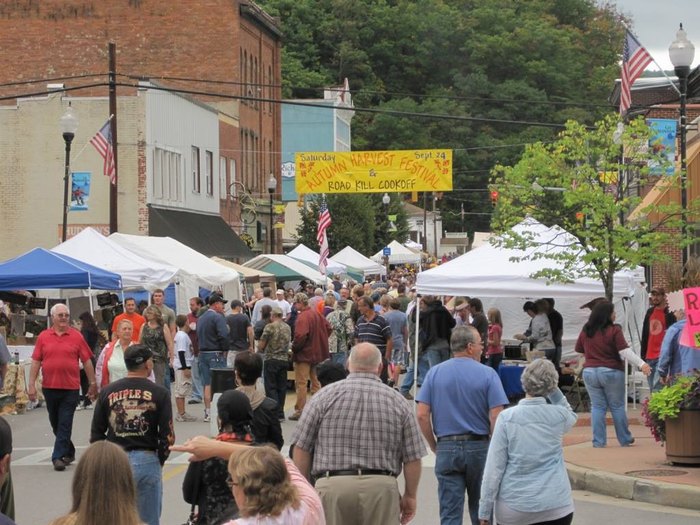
(655, 23)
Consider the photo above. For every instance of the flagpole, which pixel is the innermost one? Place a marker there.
(113, 195)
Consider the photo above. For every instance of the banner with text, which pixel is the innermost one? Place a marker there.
(374, 171)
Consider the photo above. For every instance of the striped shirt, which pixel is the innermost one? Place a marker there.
(377, 331)
(359, 423)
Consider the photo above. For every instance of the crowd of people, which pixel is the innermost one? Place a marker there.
(356, 433)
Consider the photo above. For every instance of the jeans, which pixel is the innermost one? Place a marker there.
(275, 378)
(606, 388)
(423, 367)
(651, 378)
(61, 405)
(459, 466)
(339, 357)
(437, 352)
(148, 477)
(494, 360)
(197, 388)
(207, 361)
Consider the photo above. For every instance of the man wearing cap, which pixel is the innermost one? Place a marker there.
(212, 336)
(5, 457)
(283, 305)
(136, 414)
(274, 344)
(457, 409)
(656, 321)
(57, 352)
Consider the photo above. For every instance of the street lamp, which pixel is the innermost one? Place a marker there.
(681, 52)
(271, 187)
(69, 125)
(385, 201)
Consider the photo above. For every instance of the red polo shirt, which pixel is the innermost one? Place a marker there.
(59, 355)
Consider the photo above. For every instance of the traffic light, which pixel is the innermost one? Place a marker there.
(494, 197)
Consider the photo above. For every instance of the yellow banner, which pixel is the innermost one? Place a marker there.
(374, 171)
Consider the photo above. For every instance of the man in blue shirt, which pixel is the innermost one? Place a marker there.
(457, 410)
(676, 359)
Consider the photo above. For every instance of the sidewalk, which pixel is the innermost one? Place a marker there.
(639, 472)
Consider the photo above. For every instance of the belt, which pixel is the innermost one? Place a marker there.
(464, 437)
(356, 472)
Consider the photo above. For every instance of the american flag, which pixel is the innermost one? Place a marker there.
(635, 59)
(324, 221)
(102, 141)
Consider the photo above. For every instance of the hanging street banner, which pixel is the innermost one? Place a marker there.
(374, 171)
(80, 190)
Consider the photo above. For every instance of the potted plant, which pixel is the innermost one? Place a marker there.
(673, 416)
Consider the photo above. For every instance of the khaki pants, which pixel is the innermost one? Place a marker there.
(302, 373)
(360, 500)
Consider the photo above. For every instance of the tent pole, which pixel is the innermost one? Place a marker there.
(415, 347)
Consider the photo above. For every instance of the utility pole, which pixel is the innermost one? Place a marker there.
(113, 124)
(435, 252)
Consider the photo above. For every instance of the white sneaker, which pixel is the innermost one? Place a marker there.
(185, 417)
(207, 417)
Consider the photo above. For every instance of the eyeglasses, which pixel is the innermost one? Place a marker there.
(480, 343)
(62, 315)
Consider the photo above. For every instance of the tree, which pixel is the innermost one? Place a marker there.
(578, 182)
(358, 220)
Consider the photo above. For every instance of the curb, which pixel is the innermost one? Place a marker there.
(637, 489)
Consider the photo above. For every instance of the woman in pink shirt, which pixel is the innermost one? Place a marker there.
(494, 350)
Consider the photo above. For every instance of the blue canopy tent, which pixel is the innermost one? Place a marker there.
(44, 269)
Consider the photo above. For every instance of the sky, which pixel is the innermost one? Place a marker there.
(655, 23)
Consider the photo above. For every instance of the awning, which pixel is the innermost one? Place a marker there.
(207, 234)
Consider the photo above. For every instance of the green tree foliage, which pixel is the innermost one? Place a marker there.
(544, 61)
(580, 183)
(358, 220)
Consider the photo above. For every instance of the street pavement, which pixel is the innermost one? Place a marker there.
(41, 494)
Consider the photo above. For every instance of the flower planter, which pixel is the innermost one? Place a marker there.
(683, 437)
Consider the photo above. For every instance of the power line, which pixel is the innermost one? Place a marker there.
(54, 79)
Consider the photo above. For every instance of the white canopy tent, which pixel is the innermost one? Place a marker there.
(195, 270)
(399, 254)
(137, 271)
(305, 254)
(490, 274)
(355, 259)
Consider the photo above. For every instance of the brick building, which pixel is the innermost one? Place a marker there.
(183, 45)
(656, 98)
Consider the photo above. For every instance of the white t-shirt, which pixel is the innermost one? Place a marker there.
(183, 343)
(285, 307)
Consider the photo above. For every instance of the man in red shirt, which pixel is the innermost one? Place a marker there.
(657, 319)
(132, 315)
(309, 348)
(57, 352)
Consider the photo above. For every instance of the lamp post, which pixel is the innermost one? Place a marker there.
(271, 187)
(385, 201)
(681, 52)
(69, 125)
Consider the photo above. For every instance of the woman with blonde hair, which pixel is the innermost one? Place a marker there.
(268, 488)
(157, 337)
(494, 349)
(103, 488)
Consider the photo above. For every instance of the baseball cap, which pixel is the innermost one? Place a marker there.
(136, 355)
(280, 292)
(276, 310)
(216, 298)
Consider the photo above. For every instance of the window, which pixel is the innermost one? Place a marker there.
(209, 172)
(196, 175)
(232, 176)
(223, 194)
(166, 175)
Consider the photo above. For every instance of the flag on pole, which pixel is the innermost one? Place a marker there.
(102, 141)
(324, 221)
(635, 59)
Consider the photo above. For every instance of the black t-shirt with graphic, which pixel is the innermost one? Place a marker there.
(136, 414)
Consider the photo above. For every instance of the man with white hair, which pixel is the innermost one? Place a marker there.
(57, 352)
(362, 434)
